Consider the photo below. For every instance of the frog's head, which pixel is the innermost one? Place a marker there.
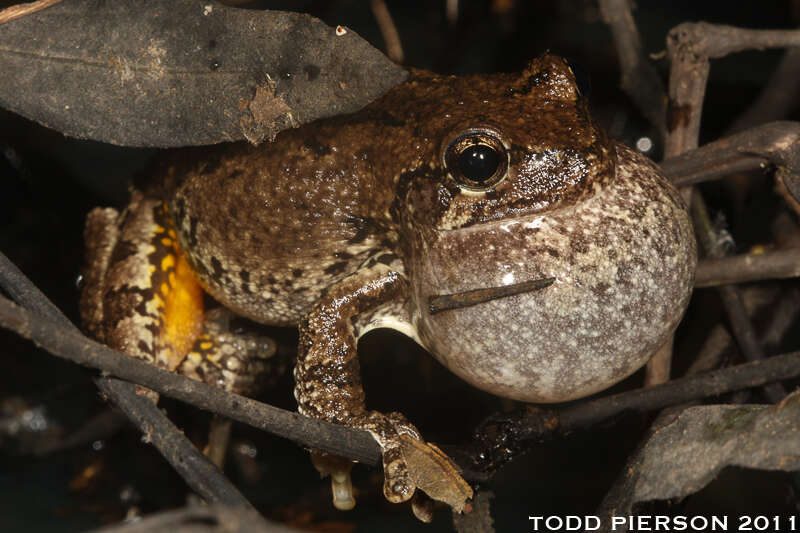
(500, 146)
(568, 264)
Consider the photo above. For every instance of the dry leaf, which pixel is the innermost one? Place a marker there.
(434, 473)
(183, 72)
(685, 454)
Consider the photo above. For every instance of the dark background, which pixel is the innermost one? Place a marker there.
(48, 183)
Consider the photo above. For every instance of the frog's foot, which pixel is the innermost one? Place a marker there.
(232, 360)
(398, 485)
(409, 463)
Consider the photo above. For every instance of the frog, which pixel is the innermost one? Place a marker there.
(487, 217)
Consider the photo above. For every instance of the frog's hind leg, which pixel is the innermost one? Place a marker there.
(142, 298)
(236, 361)
(100, 237)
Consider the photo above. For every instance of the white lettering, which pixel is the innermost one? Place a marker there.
(643, 523)
(702, 519)
(720, 523)
(592, 520)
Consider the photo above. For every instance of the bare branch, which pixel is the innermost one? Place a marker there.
(188, 461)
(639, 79)
(776, 143)
(69, 344)
(748, 267)
(741, 327)
(195, 468)
(689, 47)
(20, 10)
(199, 519)
(661, 369)
(502, 438)
(394, 48)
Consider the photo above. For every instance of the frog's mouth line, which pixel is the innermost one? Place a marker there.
(447, 302)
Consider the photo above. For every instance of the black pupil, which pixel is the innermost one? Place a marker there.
(478, 162)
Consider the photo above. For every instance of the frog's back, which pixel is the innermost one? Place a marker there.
(268, 228)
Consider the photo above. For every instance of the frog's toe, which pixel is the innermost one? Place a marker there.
(237, 361)
(410, 463)
(341, 485)
(342, 490)
(398, 485)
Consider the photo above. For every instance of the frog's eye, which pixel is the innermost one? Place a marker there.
(476, 159)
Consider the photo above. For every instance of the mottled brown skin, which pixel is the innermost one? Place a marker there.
(353, 223)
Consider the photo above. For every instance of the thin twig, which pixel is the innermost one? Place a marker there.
(199, 519)
(195, 468)
(689, 47)
(779, 264)
(776, 143)
(783, 315)
(660, 371)
(714, 41)
(741, 327)
(502, 438)
(69, 344)
(459, 300)
(683, 390)
(777, 99)
(20, 10)
(190, 463)
(394, 48)
(640, 80)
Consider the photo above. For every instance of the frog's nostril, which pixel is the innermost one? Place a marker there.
(446, 302)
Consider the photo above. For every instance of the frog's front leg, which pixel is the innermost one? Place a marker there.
(329, 380)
